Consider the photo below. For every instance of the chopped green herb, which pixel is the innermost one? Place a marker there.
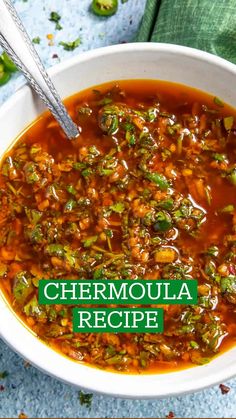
(218, 102)
(55, 17)
(108, 119)
(228, 209)
(70, 46)
(71, 189)
(194, 344)
(3, 375)
(86, 172)
(232, 176)
(22, 286)
(55, 250)
(166, 204)
(163, 221)
(70, 205)
(33, 215)
(158, 179)
(228, 122)
(36, 40)
(31, 173)
(213, 251)
(89, 241)
(219, 157)
(85, 399)
(33, 309)
(118, 207)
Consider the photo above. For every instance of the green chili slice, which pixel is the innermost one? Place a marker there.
(9, 65)
(104, 7)
(4, 78)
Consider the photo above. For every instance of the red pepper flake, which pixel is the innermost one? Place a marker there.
(55, 56)
(224, 389)
(170, 415)
(2, 388)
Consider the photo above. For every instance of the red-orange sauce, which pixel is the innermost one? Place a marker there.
(146, 191)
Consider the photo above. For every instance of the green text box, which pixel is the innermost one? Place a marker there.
(118, 320)
(117, 292)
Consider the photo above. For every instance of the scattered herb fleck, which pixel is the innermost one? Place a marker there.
(85, 399)
(228, 122)
(70, 46)
(36, 40)
(55, 17)
(118, 207)
(3, 375)
(218, 102)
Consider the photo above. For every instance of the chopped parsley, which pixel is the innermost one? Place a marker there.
(85, 399)
(218, 102)
(71, 46)
(3, 375)
(36, 40)
(118, 207)
(55, 17)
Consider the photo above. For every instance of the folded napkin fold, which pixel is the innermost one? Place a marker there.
(209, 25)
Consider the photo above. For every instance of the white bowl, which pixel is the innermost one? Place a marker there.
(129, 61)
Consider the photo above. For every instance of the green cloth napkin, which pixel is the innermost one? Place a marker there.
(209, 25)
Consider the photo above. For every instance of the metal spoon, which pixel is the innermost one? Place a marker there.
(16, 42)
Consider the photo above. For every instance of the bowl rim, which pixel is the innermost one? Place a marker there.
(113, 384)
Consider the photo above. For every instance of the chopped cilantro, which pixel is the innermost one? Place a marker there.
(36, 40)
(228, 122)
(218, 102)
(219, 157)
(3, 375)
(70, 46)
(85, 399)
(118, 207)
(55, 17)
(158, 179)
(89, 241)
(71, 189)
(86, 172)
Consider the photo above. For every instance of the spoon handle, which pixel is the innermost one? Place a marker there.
(16, 42)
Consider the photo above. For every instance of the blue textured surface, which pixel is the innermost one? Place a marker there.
(25, 388)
